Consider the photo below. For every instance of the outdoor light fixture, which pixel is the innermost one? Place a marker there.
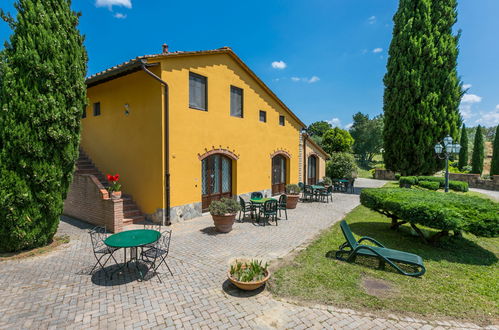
(127, 109)
(444, 151)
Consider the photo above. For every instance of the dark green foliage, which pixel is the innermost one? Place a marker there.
(337, 140)
(341, 165)
(367, 135)
(319, 128)
(478, 152)
(463, 153)
(42, 94)
(444, 211)
(422, 88)
(429, 185)
(224, 206)
(494, 166)
(408, 180)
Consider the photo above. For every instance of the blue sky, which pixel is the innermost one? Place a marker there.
(324, 58)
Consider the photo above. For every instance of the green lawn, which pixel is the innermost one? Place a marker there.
(462, 278)
(364, 170)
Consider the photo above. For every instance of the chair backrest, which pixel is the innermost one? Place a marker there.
(270, 206)
(153, 226)
(330, 189)
(256, 195)
(283, 200)
(308, 189)
(352, 242)
(242, 203)
(300, 184)
(97, 236)
(162, 245)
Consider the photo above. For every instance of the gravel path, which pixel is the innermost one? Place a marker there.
(491, 193)
(56, 290)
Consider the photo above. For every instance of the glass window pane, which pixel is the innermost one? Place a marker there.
(216, 174)
(283, 170)
(226, 179)
(204, 176)
(197, 91)
(236, 102)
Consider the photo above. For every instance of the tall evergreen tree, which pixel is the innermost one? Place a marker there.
(478, 152)
(42, 95)
(422, 88)
(494, 166)
(463, 153)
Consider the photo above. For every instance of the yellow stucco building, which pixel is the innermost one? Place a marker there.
(185, 128)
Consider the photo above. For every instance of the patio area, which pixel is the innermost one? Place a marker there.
(55, 290)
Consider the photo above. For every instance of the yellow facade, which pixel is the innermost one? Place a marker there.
(313, 150)
(132, 144)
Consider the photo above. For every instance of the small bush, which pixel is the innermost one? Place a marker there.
(429, 185)
(327, 181)
(408, 180)
(458, 186)
(397, 176)
(251, 271)
(341, 165)
(224, 206)
(444, 211)
(292, 189)
(453, 185)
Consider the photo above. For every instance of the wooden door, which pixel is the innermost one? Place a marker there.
(312, 170)
(216, 177)
(278, 175)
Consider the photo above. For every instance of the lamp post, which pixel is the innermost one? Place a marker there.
(444, 150)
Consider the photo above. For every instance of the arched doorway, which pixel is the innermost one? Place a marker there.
(279, 174)
(216, 177)
(312, 172)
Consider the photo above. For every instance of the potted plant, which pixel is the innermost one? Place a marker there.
(248, 275)
(223, 213)
(114, 186)
(327, 181)
(293, 194)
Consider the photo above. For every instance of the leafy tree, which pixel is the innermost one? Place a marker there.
(368, 136)
(478, 152)
(494, 168)
(463, 153)
(341, 165)
(422, 88)
(319, 128)
(337, 140)
(42, 95)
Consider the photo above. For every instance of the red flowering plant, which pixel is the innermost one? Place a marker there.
(114, 184)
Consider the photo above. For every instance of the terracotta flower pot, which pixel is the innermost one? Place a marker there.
(116, 195)
(248, 286)
(291, 201)
(223, 223)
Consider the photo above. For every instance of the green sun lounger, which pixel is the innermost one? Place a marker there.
(353, 248)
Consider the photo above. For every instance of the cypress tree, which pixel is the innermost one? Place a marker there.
(422, 88)
(478, 152)
(463, 153)
(494, 168)
(42, 95)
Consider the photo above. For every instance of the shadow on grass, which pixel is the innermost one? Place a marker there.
(451, 249)
(234, 291)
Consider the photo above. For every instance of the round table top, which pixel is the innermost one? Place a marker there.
(262, 200)
(132, 238)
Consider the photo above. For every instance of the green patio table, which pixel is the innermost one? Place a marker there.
(132, 239)
(258, 202)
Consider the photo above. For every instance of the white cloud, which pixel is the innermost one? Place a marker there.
(310, 80)
(335, 122)
(120, 15)
(490, 118)
(466, 111)
(471, 98)
(497, 107)
(377, 50)
(467, 86)
(110, 3)
(371, 20)
(279, 65)
(348, 126)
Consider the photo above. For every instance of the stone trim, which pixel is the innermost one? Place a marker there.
(283, 152)
(225, 152)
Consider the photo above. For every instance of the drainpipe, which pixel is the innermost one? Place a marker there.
(304, 157)
(166, 150)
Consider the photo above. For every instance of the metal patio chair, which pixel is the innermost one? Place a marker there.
(269, 210)
(245, 207)
(100, 249)
(282, 205)
(256, 195)
(158, 252)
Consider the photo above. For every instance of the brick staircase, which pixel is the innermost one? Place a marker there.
(131, 211)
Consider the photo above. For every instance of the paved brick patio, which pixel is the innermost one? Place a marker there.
(56, 291)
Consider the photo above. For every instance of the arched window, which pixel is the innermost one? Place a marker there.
(216, 178)
(312, 169)
(279, 174)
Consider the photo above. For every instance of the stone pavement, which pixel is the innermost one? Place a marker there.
(492, 193)
(56, 291)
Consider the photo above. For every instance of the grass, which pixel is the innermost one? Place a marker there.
(364, 170)
(57, 241)
(461, 282)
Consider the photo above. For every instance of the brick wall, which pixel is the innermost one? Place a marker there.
(89, 201)
(475, 181)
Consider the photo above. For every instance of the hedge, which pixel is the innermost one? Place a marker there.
(429, 185)
(453, 185)
(443, 211)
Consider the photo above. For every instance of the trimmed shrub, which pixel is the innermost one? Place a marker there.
(443, 211)
(397, 176)
(408, 181)
(429, 185)
(458, 186)
(341, 165)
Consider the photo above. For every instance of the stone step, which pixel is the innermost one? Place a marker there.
(131, 213)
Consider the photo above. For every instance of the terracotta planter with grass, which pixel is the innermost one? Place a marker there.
(248, 286)
(292, 201)
(223, 223)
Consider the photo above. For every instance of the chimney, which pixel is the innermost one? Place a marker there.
(165, 49)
